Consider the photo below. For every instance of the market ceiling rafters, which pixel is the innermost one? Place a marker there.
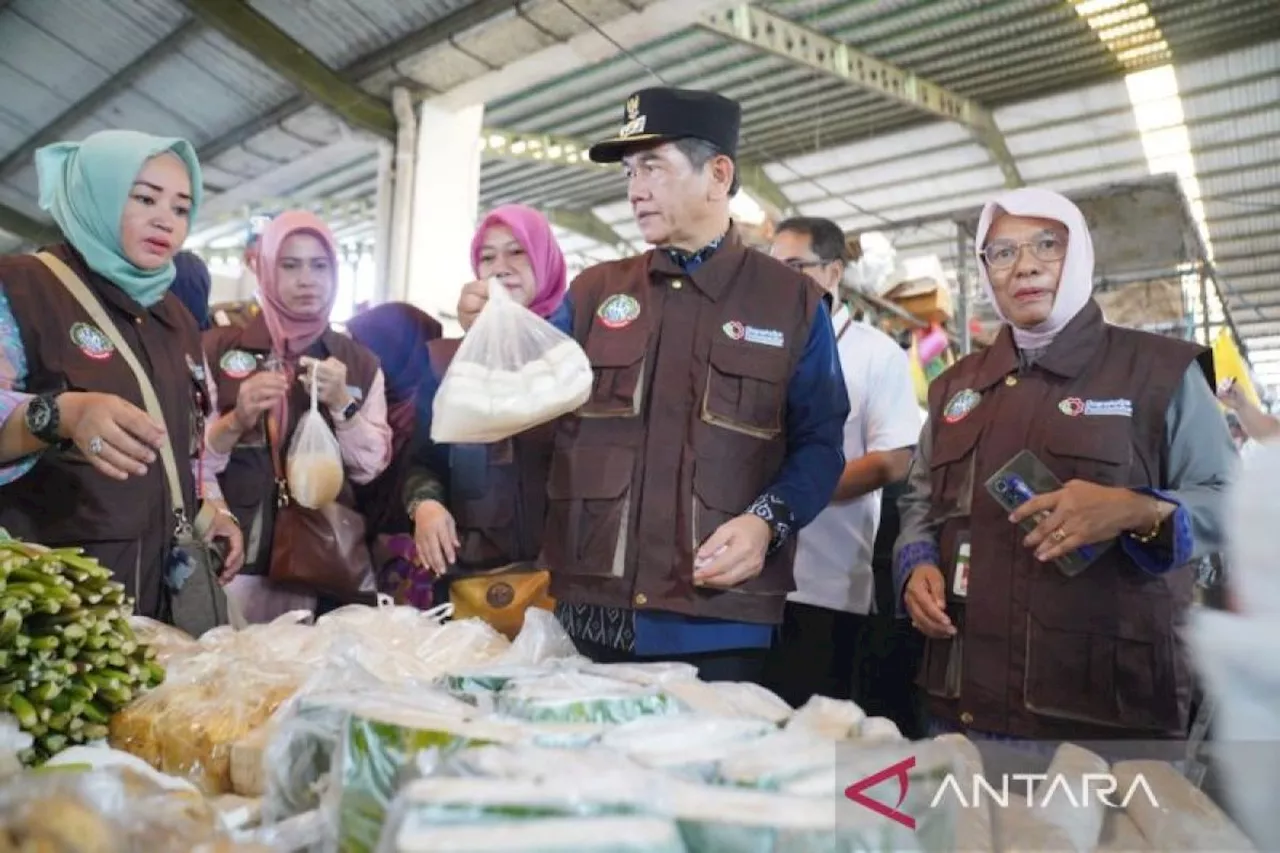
(32, 230)
(21, 156)
(803, 46)
(280, 52)
(568, 151)
(438, 32)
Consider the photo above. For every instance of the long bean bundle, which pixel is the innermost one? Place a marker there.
(68, 658)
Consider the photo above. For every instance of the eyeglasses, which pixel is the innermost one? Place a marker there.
(800, 265)
(1004, 253)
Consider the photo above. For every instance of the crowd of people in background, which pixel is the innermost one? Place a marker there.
(751, 487)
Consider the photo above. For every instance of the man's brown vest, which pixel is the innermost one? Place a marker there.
(685, 428)
(1041, 655)
(235, 353)
(497, 492)
(64, 500)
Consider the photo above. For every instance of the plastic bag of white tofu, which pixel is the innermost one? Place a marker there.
(512, 372)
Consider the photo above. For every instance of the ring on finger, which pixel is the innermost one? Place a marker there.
(96, 445)
(1059, 535)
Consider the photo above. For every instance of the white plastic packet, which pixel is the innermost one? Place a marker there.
(314, 467)
(512, 372)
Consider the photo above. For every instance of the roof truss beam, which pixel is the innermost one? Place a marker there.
(20, 225)
(587, 224)
(469, 16)
(21, 157)
(568, 151)
(803, 46)
(275, 48)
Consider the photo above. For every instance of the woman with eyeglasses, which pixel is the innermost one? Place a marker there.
(1127, 431)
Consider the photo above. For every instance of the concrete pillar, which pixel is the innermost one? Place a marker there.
(446, 200)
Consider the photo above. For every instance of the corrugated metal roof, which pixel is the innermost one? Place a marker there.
(340, 31)
(1055, 89)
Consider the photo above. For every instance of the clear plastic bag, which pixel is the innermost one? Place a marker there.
(112, 809)
(314, 468)
(513, 371)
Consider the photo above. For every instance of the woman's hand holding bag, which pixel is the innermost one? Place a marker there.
(314, 469)
(512, 372)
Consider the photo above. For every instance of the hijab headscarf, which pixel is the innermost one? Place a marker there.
(292, 333)
(192, 285)
(85, 185)
(1075, 287)
(398, 334)
(533, 232)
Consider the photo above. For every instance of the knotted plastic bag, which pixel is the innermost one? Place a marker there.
(512, 372)
(314, 468)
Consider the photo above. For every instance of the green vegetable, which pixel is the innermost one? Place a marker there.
(68, 657)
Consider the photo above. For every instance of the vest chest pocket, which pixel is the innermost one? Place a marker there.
(746, 389)
(588, 504)
(618, 361)
(1097, 449)
(952, 464)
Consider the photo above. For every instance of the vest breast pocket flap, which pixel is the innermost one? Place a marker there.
(1099, 450)
(746, 389)
(618, 361)
(588, 501)
(952, 464)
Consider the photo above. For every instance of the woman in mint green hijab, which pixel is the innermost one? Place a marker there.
(102, 192)
(79, 451)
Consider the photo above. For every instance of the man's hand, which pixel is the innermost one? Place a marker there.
(436, 536)
(117, 437)
(734, 553)
(258, 394)
(224, 527)
(1083, 513)
(331, 381)
(926, 600)
(472, 301)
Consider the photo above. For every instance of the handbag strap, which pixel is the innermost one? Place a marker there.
(78, 289)
(275, 450)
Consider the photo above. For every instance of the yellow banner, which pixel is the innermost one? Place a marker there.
(1228, 364)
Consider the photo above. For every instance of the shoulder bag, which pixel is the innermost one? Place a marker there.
(320, 550)
(196, 599)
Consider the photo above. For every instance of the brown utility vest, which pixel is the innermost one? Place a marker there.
(1038, 654)
(235, 353)
(64, 500)
(685, 428)
(497, 492)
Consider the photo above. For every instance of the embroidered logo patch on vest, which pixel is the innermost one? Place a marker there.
(91, 341)
(237, 363)
(618, 311)
(1075, 407)
(959, 406)
(765, 337)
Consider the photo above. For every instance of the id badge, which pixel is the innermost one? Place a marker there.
(960, 577)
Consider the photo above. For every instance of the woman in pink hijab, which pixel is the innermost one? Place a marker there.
(482, 506)
(1021, 645)
(263, 371)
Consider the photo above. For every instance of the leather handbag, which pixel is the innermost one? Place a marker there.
(500, 596)
(320, 550)
(195, 598)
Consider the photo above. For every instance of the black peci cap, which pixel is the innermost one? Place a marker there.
(662, 114)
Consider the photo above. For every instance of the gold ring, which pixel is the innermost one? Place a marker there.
(1059, 535)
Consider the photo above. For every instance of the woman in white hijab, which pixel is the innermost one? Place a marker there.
(1128, 423)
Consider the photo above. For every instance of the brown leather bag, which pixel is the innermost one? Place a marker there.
(501, 596)
(321, 550)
